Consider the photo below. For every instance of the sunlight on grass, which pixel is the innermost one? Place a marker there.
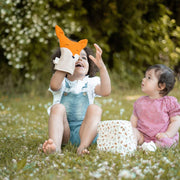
(24, 127)
(130, 98)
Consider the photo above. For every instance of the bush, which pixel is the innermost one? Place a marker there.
(28, 38)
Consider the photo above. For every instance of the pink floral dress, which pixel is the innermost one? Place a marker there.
(154, 117)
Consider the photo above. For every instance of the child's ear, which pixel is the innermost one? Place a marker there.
(162, 86)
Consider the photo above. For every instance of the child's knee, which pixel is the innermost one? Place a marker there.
(93, 108)
(58, 108)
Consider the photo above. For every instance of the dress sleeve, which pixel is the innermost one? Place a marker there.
(56, 95)
(137, 104)
(173, 106)
(93, 82)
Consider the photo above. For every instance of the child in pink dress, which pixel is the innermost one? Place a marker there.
(156, 117)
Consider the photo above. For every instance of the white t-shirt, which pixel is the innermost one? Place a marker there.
(76, 88)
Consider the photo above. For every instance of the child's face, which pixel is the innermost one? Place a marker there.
(149, 84)
(82, 65)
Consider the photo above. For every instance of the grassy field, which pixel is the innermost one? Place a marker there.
(24, 127)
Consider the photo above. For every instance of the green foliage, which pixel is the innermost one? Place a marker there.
(132, 34)
(153, 45)
(28, 36)
(136, 37)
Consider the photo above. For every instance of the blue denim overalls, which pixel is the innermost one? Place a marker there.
(76, 106)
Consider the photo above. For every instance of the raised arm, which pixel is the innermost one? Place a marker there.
(56, 80)
(104, 88)
(173, 128)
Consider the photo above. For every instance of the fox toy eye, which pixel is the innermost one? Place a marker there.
(73, 57)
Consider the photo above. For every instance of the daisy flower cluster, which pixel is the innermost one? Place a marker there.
(25, 24)
(24, 127)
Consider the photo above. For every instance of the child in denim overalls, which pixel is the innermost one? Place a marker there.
(73, 116)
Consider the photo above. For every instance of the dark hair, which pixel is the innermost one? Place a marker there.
(93, 69)
(165, 76)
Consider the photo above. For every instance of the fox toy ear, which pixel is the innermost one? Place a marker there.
(83, 43)
(59, 31)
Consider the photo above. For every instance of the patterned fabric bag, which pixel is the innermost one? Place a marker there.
(116, 136)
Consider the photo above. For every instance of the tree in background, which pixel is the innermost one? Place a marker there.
(28, 37)
(174, 6)
(132, 34)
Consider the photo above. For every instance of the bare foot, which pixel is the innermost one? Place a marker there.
(82, 151)
(49, 146)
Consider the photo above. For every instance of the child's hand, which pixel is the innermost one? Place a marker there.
(161, 135)
(98, 60)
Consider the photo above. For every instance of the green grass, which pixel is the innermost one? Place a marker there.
(24, 127)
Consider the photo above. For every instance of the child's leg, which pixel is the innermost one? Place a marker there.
(166, 142)
(88, 130)
(58, 129)
(139, 136)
